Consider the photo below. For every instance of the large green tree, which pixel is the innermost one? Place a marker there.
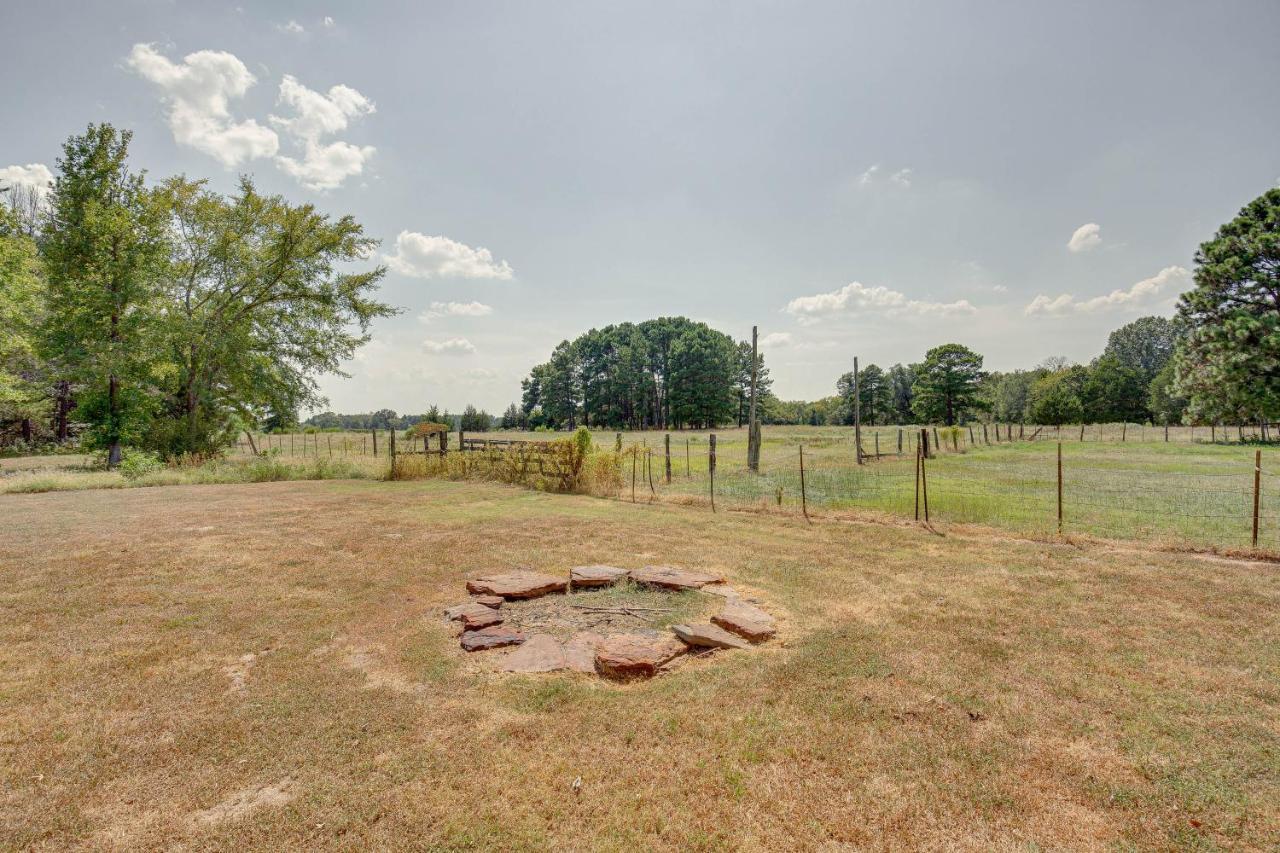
(104, 247)
(23, 400)
(259, 298)
(947, 384)
(1114, 392)
(1229, 363)
(1145, 345)
(1054, 398)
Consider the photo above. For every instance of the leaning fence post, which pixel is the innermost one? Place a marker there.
(1257, 491)
(804, 498)
(652, 490)
(711, 467)
(971, 441)
(1059, 488)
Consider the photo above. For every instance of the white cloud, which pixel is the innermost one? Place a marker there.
(1086, 237)
(328, 22)
(857, 296)
(293, 28)
(1141, 292)
(36, 175)
(1000, 288)
(869, 175)
(455, 309)
(198, 93)
(902, 178)
(316, 115)
(421, 256)
(776, 339)
(453, 346)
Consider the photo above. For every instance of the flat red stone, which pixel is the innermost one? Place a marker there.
(745, 620)
(708, 636)
(493, 637)
(517, 585)
(628, 656)
(586, 576)
(669, 577)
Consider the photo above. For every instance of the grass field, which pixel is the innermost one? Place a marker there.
(264, 666)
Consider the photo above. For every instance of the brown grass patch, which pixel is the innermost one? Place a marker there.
(967, 691)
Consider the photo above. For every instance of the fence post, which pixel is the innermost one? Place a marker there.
(1124, 428)
(971, 441)
(666, 444)
(877, 445)
(804, 498)
(1082, 432)
(633, 473)
(937, 443)
(924, 441)
(392, 444)
(1059, 488)
(899, 441)
(924, 487)
(1257, 490)
(688, 471)
(985, 440)
(1166, 432)
(917, 482)
(652, 490)
(857, 414)
(711, 467)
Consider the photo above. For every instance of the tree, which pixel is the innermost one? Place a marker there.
(1145, 345)
(946, 386)
(511, 417)
(1053, 399)
(1010, 395)
(103, 247)
(1164, 402)
(258, 300)
(1230, 359)
(1114, 392)
(902, 390)
(875, 396)
(702, 372)
(474, 420)
(22, 302)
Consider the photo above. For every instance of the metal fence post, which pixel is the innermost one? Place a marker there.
(1059, 488)
(1257, 492)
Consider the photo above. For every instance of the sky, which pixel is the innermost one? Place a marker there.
(856, 179)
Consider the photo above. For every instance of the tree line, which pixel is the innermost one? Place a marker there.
(166, 315)
(470, 420)
(667, 373)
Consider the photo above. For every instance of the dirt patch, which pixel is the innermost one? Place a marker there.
(249, 800)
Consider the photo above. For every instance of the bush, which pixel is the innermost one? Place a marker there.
(136, 463)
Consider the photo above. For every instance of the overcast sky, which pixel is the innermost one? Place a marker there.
(856, 179)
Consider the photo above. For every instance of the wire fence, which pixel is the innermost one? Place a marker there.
(1117, 481)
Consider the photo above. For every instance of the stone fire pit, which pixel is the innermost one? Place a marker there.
(617, 623)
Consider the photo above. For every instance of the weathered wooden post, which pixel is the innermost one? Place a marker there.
(1257, 490)
(666, 447)
(804, 498)
(688, 471)
(937, 443)
(924, 482)
(857, 414)
(917, 482)
(753, 422)
(1059, 488)
(899, 441)
(391, 444)
(711, 467)
(633, 473)
(374, 433)
(985, 440)
(971, 441)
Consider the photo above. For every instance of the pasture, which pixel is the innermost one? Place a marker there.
(266, 665)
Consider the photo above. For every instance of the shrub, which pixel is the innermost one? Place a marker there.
(136, 463)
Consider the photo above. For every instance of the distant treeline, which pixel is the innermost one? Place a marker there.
(470, 420)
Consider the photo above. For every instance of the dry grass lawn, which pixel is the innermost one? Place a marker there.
(265, 666)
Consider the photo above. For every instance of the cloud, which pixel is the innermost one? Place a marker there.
(857, 296)
(293, 28)
(316, 115)
(1000, 288)
(453, 346)
(35, 175)
(869, 175)
(328, 22)
(420, 256)
(197, 94)
(1086, 237)
(776, 339)
(1143, 291)
(902, 178)
(455, 309)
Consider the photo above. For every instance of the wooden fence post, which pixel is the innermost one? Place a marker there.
(899, 441)
(937, 443)
(877, 445)
(391, 444)
(924, 486)
(1059, 488)
(1124, 428)
(1082, 432)
(666, 445)
(688, 471)
(1257, 490)
(917, 482)
(804, 498)
(985, 440)
(633, 474)
(374, 432)
(971, 441)
(711, 467)
(652, 490)
(857, 414)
